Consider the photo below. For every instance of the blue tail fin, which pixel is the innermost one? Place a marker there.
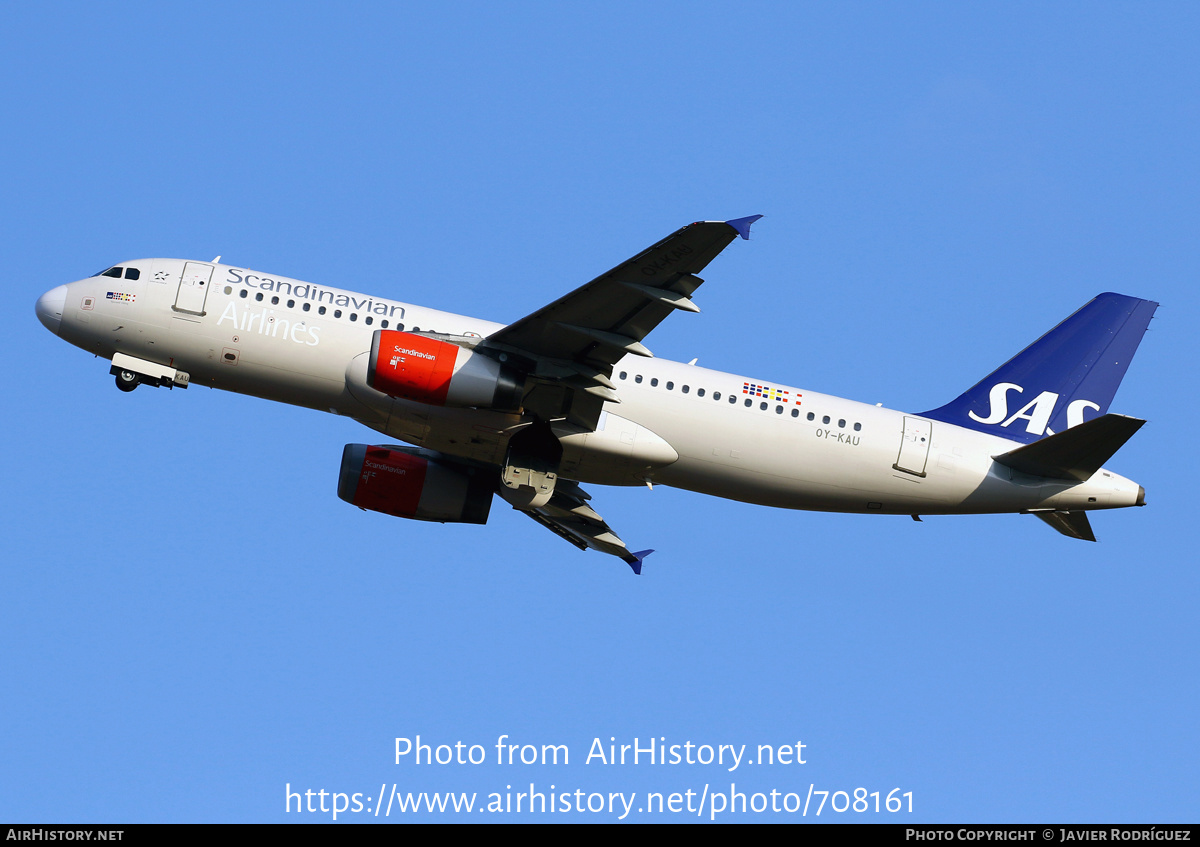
(1070, 373)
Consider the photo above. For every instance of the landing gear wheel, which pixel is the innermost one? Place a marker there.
(127, 380)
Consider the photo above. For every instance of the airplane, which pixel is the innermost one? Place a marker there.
(570, 396)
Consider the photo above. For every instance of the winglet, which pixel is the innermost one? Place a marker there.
(634, 560)
(742, 225)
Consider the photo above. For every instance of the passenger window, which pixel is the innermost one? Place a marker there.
(370, 320)
(654, 382)
(685, 389)
(779, 410)
(637, 378)
(134, 273)
(857, 427)
(354, 316)
(275, 301)
(113, 272)
(825, 419)
(795, 413)
(291, 304)
(811, 416)
(733, 399)
(842, 423)
(337, 313)
(716, 395)
(320, 310)
(762, 406)
(229, 289)
(748, 402)
(258, 296)
(383, 323)
(624, 375)
(699, 392)
(243, 294)
(670, 386)
(306, 306)
(400, 327)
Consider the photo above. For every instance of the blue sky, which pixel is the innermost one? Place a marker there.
(192, 620)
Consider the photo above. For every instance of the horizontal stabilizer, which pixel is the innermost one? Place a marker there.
(1070, 524)
(1076, 453)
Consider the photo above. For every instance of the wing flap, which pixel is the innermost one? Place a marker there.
(570, 346)
(602, 321)
(568, 516)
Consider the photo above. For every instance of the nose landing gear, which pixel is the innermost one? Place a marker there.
(132, 372)
(128, 380)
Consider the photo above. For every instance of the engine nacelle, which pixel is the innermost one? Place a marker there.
(416, 367)
(409, 482)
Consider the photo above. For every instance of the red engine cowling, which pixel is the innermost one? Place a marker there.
(409, 482)
(416, 367)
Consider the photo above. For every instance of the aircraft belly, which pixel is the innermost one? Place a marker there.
(283, 385)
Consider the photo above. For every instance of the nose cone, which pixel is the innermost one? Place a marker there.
(50, 308)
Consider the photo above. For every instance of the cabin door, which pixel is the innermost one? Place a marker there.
(193, 288)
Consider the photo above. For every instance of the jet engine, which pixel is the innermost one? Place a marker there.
(416, 367)
(410, 482)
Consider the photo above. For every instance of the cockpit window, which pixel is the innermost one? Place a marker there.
(115, 273)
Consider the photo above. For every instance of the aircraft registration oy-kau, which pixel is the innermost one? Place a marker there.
(569, 396)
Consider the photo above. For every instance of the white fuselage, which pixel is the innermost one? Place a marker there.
(676, 424)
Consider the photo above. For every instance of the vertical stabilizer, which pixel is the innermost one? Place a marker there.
(1067, 376)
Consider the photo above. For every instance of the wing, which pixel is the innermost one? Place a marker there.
(569, 516)
(571, 345)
